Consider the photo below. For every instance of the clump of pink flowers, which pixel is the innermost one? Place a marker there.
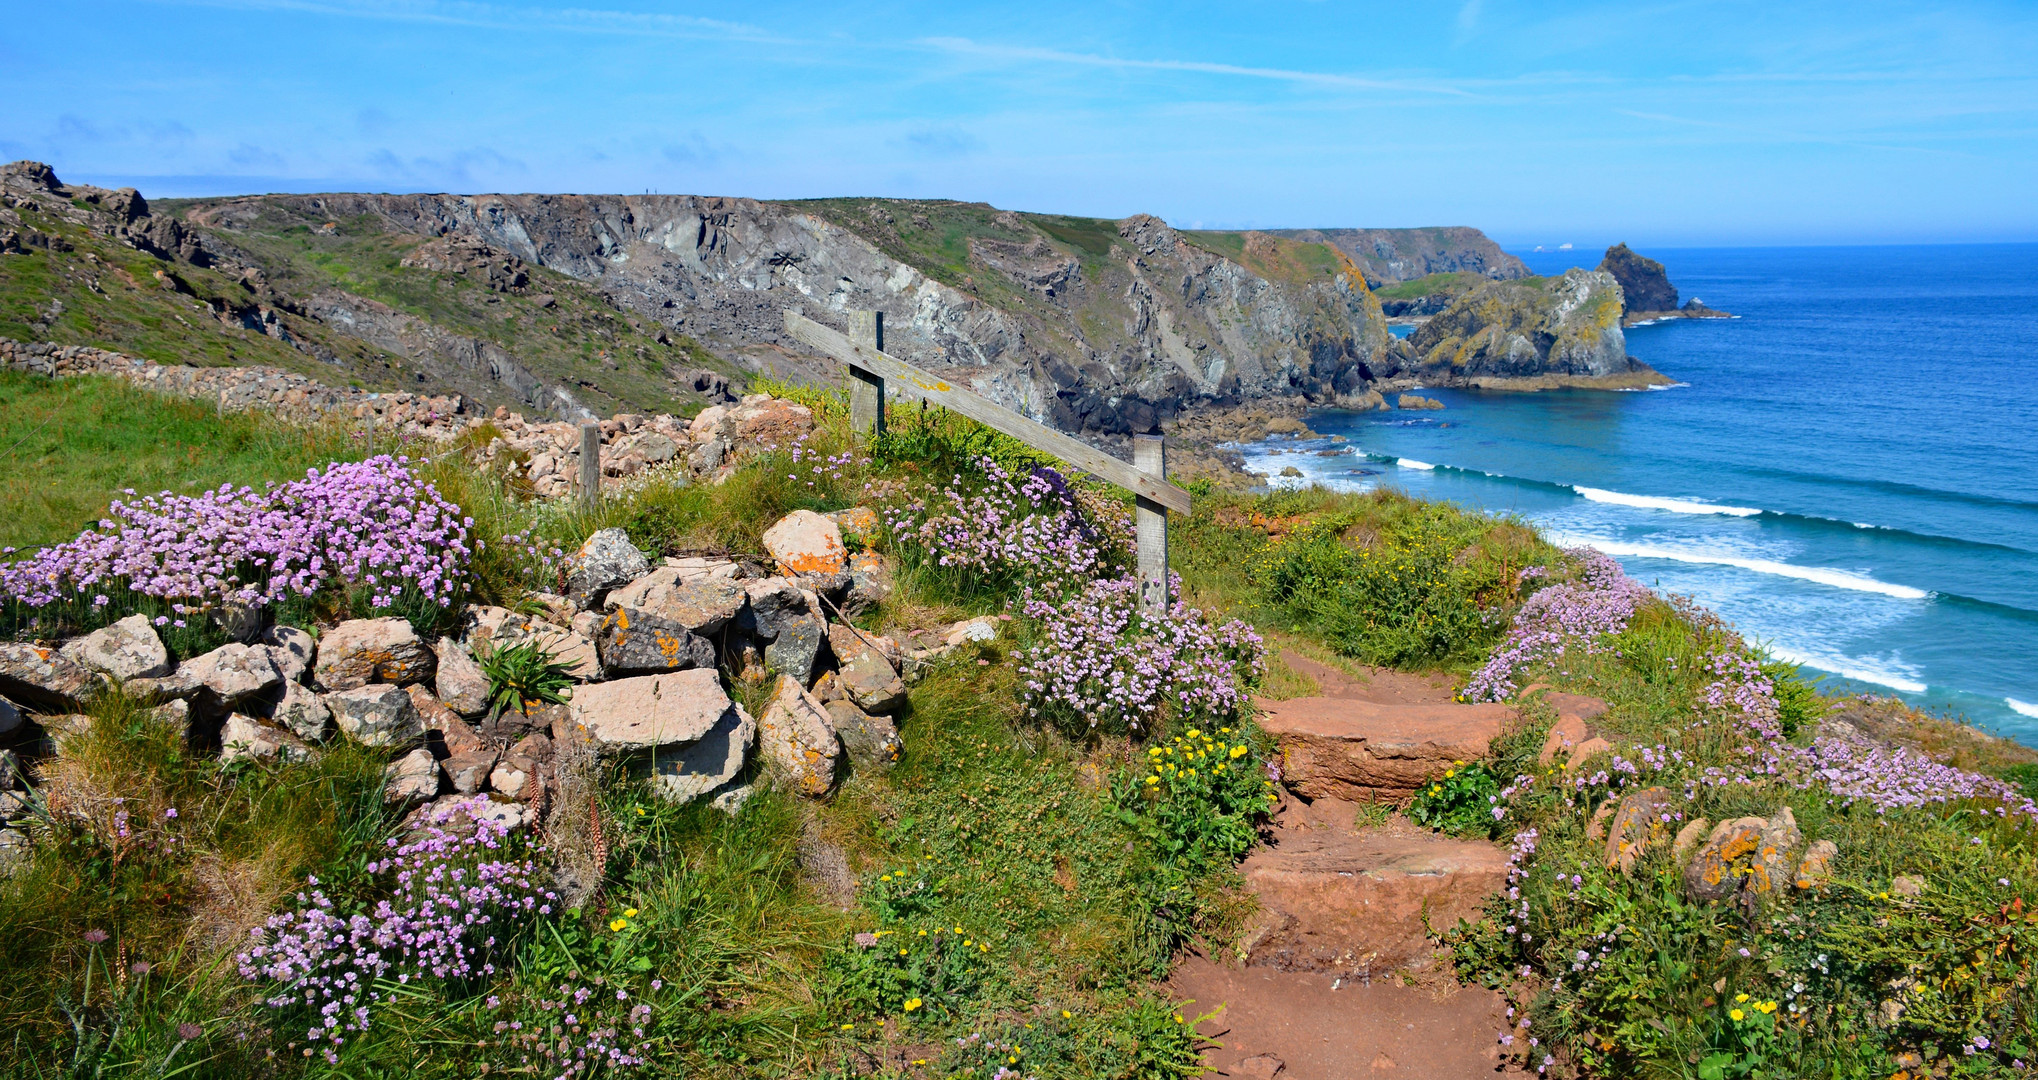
(1102, 663)
(1576, 613)
(997, 528)
(371, 524)
(459, 898)
(576, 1029)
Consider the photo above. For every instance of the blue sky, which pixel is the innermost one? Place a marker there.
(1663, 124)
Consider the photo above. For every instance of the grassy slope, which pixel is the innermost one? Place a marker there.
(72, 445)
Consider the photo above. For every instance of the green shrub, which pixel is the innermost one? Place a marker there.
(523, 675)
(1459, 801)
(1200, 797)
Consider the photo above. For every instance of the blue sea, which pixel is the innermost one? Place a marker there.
(1848, 471)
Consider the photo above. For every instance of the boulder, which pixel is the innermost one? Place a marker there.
(636, 641)
(870, 582)
(804, 542)
(704, 568)
(244, 737)
(129, 649)
(292, 649)
(1817, 867)
(769, 423)
(1645, 286)
(42, 678)
(857, 525)
(231, 674)
(774, 603)
(796, 650)
(648, 711)
(377, 715)
(605, 561)
(702, 605)
(1643, 819)
(798, 740)
(1687, 837)
(1360, 751)
(362, 651)
(1342, 902)
(1566, 735)
(457, 735)
(460, 682)
(1744, 856)
(699, 768)
(516, 772)
(468, 772)
(1417, 401)
(301, 712)
(10, 716)
(873, 742)
(864, 672)
(412, 778)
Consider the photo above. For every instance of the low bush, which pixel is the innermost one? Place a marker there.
(992, 531)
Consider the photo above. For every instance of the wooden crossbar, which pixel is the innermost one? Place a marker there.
(1146, 485)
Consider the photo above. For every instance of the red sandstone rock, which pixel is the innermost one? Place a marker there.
(1357, 750)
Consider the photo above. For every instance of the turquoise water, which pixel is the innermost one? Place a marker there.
(1848, 472)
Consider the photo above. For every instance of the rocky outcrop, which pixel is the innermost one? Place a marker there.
(1363, 751)
(1390, 255)
(1526, 335)
(1644, 284)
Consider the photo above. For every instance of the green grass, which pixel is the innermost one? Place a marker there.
(72, 445)
(1458, 282)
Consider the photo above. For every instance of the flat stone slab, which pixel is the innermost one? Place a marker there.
(1354, 902)
(650, 710)
(1361, 751)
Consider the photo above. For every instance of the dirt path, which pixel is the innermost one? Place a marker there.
(1338, 979)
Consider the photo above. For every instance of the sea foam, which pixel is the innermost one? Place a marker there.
(1821, 575)
(2022, 708)
(1857, 668)
(1654, 502)
(1411, 463)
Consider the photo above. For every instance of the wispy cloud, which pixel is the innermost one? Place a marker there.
(968, 47)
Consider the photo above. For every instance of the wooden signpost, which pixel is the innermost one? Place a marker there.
(872, 372)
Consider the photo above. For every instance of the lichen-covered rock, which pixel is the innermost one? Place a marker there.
(699, 768)
(858, 524)
(377, 715)
(468, 772)
(301, 712)
(412, 778)
(1643, 819)
(870, 582)
(244, 737)
(865, 672)
(773, 603)
(607, 560)
(362, 651)
(515, 775)
(292, 649)
(460, 682)
(703, 604)
(1817, 867)
(873, 742)
(42, 678)
(1744, 856)
(804, 542)
(798, 739)
(796, 651)
(648, 711)
(128, 649)
(640, 641)
(231, 674)
(1567, 326)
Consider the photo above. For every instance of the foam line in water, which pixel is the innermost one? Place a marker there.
(1411, 463)
(1838, 579)
(1654, 502)
(2022, 708)
(1856, 668)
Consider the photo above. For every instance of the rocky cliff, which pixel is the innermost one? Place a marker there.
(572, 304)
(1645, 285)
(1391, 255)
(1531, 333)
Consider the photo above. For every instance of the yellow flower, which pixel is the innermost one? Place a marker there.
(958, 929)
(1191, 772)
(629, 913)
(1066, 1015)
(1238, 751)
(849, 1027)
(886, 877)
(1435, 788)
(912, 1003)
(618, 925)
(1459, 764)
(640, 811)
(923, 933)
(1448, 773)
(1738, 1015)
(1194, 733)
(1219, 768)
(966, 943)
(1739, 998)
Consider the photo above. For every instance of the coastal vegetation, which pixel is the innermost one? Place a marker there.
(1063, 820)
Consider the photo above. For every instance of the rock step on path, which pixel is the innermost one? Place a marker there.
(1346, 910)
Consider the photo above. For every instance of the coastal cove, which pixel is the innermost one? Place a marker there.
(1844, 472)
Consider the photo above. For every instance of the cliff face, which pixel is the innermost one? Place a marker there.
(1644, 283)
(1548, 331)
(1390, 255)
(1088, 325)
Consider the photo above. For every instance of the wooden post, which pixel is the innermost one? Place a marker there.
(590, 463)
(1150, 524)
(867, 388)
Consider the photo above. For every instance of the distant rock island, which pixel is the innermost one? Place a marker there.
(1647, 293)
